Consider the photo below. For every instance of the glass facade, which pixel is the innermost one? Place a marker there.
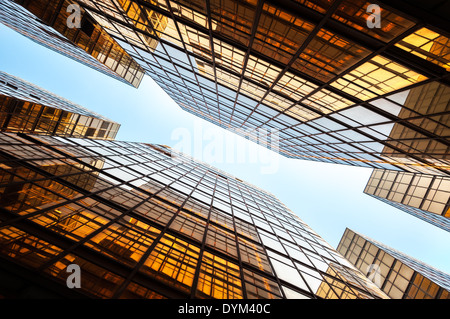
(333, 89)
(312, 72)
(143, 221)
(45, 22)
(424, 196)
(26, 108)
(398, 275)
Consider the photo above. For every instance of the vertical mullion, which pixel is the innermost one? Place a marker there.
(156, 241)
(241, 266)
(202, 247)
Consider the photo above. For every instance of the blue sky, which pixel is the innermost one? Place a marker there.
(328, 197)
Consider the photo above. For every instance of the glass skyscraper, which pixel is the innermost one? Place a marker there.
(142, 221)
(26, 108)
(321, 78)
(333, 87)
(89, 44)
(398, 275)
(424, 196)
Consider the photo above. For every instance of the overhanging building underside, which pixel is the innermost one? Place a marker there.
(142, 221)
(313, 73)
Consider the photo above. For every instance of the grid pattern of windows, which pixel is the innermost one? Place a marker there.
(354, 14)
(434, 219)
(26, 108)
(414, 193)
(428, 45)
(144, 222)
(398, 275)
(332, 88)
(334, 91)
(46, 24)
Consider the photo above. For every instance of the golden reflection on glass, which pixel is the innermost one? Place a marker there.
(321, 6)
(332, 288)
(254, 255)
(76, 226)
(423, 288)
(218, 278)
(425, 107)
(221, 240)
(95, 280)
(173, 261)
(246, 229)
(294, 86)
(447, 213)
(279, 34)
(196, 207)
(228, 56)
(377, 77)
(233, 19)
(261, 71)
(421, 191)
(146, 20)
(354, 14)
(189, 225)
(428, 45)
(194, 11)
(23, 197)
(259, 287)
(156, 210)
(25, 248)
(172, 34)
(326, 292)
(336, 284)
(197, 42)
(327, 55)
(222, 219)
(93, 39)
(125, 241)
(326, 101)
